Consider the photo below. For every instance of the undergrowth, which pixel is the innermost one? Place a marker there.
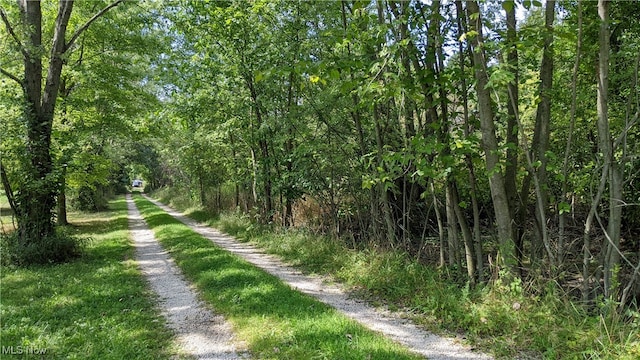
(507, 319)
(59, 247)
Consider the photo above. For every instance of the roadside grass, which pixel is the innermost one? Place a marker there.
(504, 319)
(274, 321)
(508, 320)
(97, 307)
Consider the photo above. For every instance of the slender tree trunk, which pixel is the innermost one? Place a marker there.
(466, 235)
(489, 141)
(543, 132)
(203, 200)
(452, 227)
(235, 161)
(254, 179)
(362, 147)
(436, 207)
(263, 146)
(384, 197)
(266, 173)
(567, 152)
(406, 116)
(62, 198)
(615, 178)
(477, 239)
(291, 104)
(511, 168)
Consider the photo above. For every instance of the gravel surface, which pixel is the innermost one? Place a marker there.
(392, 325)
(201, 334)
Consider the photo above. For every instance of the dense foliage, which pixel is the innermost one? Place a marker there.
(473, 136)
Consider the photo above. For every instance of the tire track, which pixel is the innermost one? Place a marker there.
(201, 333)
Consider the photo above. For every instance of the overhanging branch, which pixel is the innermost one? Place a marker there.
(7, 24)
(84, 27)
(11, 76)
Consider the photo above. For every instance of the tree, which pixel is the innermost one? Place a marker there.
(606, 144)
(489, 142)
(35, 199)
(364, 115)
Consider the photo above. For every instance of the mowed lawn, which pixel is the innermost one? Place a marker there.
(96, 307)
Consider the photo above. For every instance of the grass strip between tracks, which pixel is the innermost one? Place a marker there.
(274, 320)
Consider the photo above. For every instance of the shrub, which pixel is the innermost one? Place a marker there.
(57, 248)
(89, 199)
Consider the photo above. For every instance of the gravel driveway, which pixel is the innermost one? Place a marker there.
(401, 330)
(201, 334)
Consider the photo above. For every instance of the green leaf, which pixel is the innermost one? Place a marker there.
(508, 5)
(564, 207)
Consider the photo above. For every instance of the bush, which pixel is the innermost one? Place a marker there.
(57, 248)
(89, 199)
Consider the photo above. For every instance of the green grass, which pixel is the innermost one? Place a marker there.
(274, 321)
(536, 319)
(547, 325)
(97, 307)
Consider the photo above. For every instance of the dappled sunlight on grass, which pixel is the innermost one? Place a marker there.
(6, 214)
(96, 307)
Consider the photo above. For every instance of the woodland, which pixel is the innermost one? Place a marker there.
(492, 140)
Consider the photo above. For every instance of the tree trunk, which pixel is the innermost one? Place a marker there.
(37, 201)
(477, 240)
(62, 198)
(436, 207)
(203, 200)
(511, 168)
(615, 178)
(542, 134)
(236, 186)
(466, 234)
(452, 228)
(384, 197)
(263, 145)
(266, 173)
(572, 121)
(490, 143)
